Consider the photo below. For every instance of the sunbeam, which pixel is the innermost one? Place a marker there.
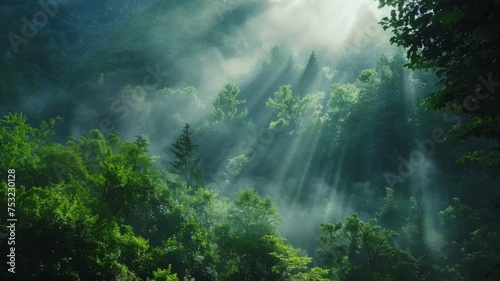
(244, 140)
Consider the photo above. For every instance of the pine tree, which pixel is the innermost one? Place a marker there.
(309, 76)
(187, 161)
(276, 58)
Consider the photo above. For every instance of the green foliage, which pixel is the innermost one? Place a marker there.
(118, 176)
(315, 274)
(254, 216)
(236, 164)
(100, 209)
(461, 219)
(342, 98)
(491, 158)
(342, 102)
(249, 246)
(20, 145)
(164, 275)
(433, 25)
(390, 210)
(187, 162)
(458, 41)
(357, 250)
(477, 256)
(290, 260)
(19, 140)
(276, 57)
(309, 75)
(463, 225)
(312, 111)
(227, 106)
(191, 251)
(180, 105)
(366, 114)
(64, 164)
(288, 106)
(83, 196)
(75, 239)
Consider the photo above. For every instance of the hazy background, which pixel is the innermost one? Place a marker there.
(149, 67)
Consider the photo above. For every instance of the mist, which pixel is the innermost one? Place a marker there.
(304, 101)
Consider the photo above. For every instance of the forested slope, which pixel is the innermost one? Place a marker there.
(186, 140)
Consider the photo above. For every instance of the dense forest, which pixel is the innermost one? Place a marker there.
(250, 140)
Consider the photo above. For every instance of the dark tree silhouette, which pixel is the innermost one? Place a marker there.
(309, 75)
(187, 160)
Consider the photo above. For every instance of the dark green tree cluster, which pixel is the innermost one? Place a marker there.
(99, 210)
(309, 75)
(187, 162)
(358, 250)
(122, 217)
(459, 42)
(98, 207)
